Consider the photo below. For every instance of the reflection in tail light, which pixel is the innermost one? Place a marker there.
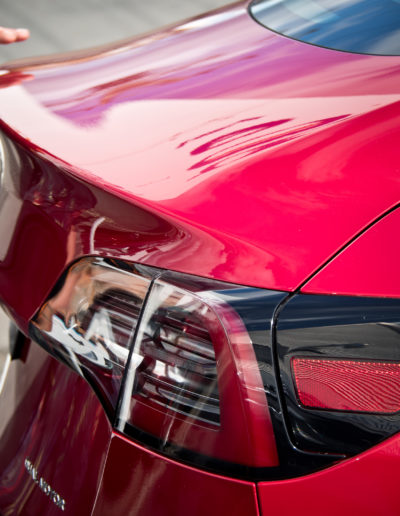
(169, 357)
(90, 322)
(179, 370)
(193, 384)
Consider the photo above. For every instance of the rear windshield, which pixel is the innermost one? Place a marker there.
(360, 26)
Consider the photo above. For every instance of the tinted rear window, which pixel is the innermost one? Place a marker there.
(361, 26)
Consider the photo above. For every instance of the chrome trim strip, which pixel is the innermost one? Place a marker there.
(4, 372)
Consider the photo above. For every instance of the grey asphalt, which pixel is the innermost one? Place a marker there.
(63, 25)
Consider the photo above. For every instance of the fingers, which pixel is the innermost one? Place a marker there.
(13, 35)
(22, 34)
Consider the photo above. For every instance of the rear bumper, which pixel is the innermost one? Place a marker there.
(366, 484)
(137, 481)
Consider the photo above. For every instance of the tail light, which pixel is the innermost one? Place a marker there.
(170, 358)
(207, 372)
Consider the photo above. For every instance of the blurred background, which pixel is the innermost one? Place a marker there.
(62, 25)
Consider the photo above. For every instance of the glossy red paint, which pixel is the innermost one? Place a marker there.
(215, 148)
(294, 135)
(49, 415)
(52, 218)
(367, 267)
(366, 484)
(137, 481)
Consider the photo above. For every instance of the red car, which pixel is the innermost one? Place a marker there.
(199, 259)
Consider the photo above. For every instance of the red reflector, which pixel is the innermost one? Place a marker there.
(348, 385)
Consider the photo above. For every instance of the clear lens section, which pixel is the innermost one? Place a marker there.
(90, 322)
(178, 370)
(193, 383)
(175, 365)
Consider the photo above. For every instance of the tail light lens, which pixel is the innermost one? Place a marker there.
(193, 384)
(206, 372)
(170, 357)
(90, 321)
(174, 363)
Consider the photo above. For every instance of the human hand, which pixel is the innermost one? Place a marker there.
(13, 35)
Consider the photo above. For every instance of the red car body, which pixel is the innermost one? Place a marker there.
(215, 148)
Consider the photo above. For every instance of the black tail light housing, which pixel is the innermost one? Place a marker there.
(243, 381)
(339, 362)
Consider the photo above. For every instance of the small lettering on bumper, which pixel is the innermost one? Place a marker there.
(44, 486)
